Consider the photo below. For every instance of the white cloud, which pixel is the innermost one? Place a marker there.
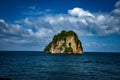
(102, 24)
(42, 28)
(13, 32)
(16, 33)
(41, 33)
(116, 11)
(28, 22)
(6, 28)
(2, 21)
(117, 5)
(101, 18)
(80, 12)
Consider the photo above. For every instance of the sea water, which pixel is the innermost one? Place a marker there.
(25, 65)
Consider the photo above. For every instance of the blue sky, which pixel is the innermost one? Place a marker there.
(30, 24)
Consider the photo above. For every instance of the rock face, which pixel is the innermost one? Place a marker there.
(65, 42)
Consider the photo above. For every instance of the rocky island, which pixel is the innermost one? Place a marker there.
(65, 42)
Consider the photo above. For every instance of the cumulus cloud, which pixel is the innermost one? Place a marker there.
(116, 11)
(15, 33)
(80, 12)
(84, 22)
(11, 29)
(117, 5)
(79, 20)
(41, 33)
(42, 28)
(20, 38)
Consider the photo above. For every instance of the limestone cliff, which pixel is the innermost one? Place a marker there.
(65, 42)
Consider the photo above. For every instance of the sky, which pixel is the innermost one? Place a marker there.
(29, 25)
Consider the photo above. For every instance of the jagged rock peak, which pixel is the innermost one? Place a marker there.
(65, 42)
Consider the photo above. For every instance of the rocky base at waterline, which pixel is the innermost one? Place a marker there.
(65, 42)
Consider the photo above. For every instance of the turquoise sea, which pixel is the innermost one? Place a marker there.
(25, 65)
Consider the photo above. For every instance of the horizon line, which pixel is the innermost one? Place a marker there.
(43, 51)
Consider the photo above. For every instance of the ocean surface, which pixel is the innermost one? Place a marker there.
(41, 66)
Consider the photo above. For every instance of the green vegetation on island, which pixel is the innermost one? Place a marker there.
(68, 49)
(47, 48)
(63, 35)
(56, 46)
